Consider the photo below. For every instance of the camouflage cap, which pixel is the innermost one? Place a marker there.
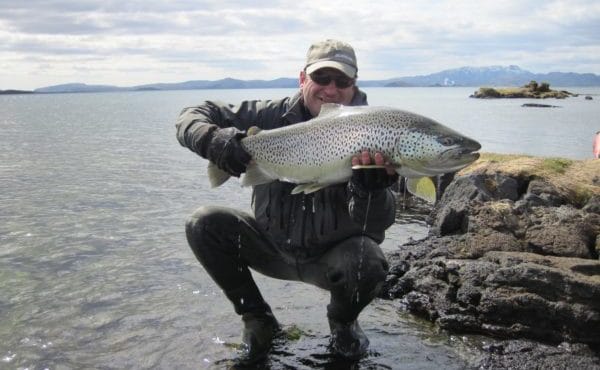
(333, 54)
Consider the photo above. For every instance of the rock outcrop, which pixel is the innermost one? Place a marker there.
(532, 90)
(513, 255)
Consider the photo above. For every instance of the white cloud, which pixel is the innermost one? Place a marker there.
(137, 42)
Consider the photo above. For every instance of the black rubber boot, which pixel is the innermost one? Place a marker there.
(347, 339)
(257, 337)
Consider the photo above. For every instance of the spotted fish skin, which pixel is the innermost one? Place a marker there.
(318, 152)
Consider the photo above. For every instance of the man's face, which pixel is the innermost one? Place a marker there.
(327, 85)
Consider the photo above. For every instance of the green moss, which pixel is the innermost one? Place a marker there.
(556, 165)
(293, 333)
(581, 195)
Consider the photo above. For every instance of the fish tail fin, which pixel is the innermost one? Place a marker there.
(255, 176)
(216, 176)
(422, 187)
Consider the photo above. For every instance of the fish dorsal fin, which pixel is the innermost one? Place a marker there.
(308, 188)
(255, 176)
(253, 131)
(329, 108)
(422, 187)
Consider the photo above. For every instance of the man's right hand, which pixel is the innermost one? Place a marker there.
(372, 174)
(226, 151)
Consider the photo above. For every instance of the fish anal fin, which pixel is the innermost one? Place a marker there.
(422, 187)
(308, 188)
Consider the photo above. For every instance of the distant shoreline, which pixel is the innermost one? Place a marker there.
(29, 92)
(494, 76)
(15, 92)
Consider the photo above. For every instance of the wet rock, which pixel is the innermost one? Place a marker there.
(548, 193)
(535, 105)
(529, 355)
(593, 205)
(506, 257)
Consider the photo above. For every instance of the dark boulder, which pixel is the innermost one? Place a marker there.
(506, 257)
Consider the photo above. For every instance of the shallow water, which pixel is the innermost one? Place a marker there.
(95, 271)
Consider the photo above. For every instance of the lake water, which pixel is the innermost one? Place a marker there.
(95, 271)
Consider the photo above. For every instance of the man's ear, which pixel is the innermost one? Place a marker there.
(302, 78)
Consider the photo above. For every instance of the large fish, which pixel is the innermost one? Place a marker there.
(317, 153)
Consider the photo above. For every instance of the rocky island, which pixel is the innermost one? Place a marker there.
(511, 257)
(532, 90)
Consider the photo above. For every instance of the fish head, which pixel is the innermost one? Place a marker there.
(428, 148)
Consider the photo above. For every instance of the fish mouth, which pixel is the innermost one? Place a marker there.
(455, 159)
(451, 160)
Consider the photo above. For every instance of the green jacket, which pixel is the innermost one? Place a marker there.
(301, 225)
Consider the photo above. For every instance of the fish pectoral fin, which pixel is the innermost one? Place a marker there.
(422, 187)
(308, 188)
(216, 176)
(253, 131)
(255, 176)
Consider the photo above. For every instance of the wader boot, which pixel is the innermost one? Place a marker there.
(347, 339)
(257, 337)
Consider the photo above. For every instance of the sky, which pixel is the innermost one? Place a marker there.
(135, 42)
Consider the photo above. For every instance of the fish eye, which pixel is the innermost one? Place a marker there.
(447, 140)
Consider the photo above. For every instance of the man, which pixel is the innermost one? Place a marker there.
(333, 243)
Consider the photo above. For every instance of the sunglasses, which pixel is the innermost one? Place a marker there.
(324, 79)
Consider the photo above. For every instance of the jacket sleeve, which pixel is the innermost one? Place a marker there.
(375, 212)
(197, 125)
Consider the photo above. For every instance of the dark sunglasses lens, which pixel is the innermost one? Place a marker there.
(341, 82)
(322, 80)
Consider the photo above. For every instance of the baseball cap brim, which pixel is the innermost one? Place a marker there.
(342, 67)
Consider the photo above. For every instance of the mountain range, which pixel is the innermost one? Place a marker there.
(465, 76)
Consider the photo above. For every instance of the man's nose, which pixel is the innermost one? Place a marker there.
(330, 88)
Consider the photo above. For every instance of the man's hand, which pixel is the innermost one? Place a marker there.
(372, 174)
(226, 151)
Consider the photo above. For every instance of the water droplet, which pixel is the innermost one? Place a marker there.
(241, 301)
(216, 340)
(9, 357)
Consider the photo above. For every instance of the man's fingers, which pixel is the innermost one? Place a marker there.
(379, 160)
(365, 157)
